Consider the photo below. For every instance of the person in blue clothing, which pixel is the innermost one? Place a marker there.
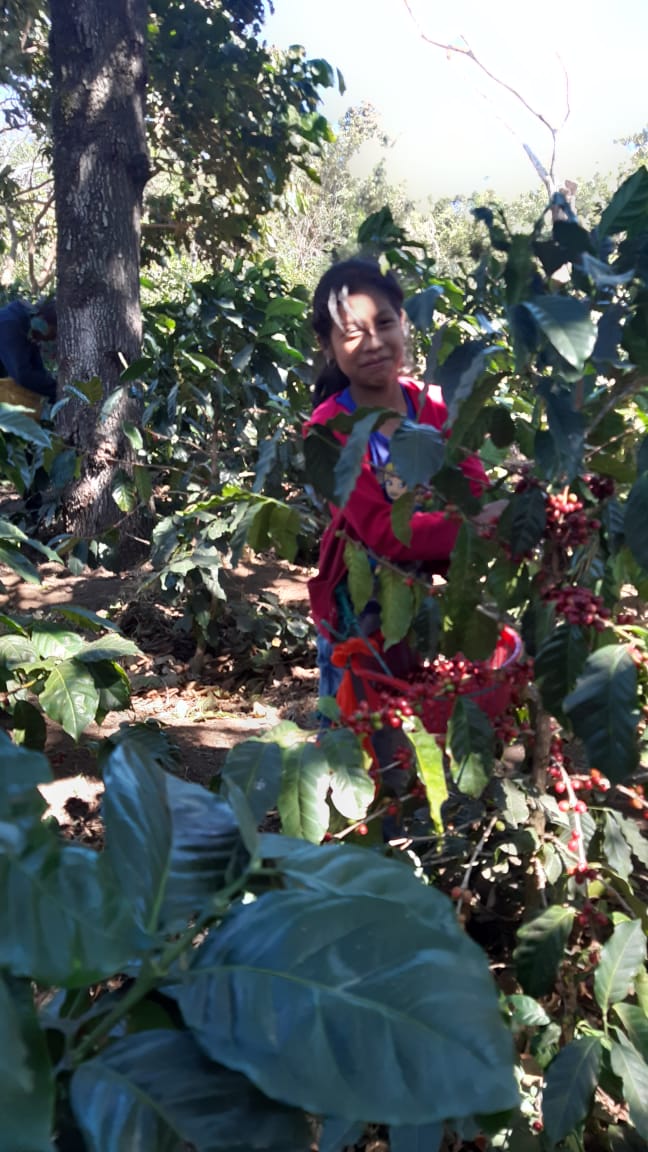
(23, 329)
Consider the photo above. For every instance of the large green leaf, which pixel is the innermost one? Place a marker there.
(26, 1080)
(207, 852)
(339, 1134)
(21, 769)
(19, 423)
(636, 521)
(570, 1083)
(621, 958)
(635, 1023)
(628, 208)
(470, 415)
(70, 697)
(540, 948)
(322, 451)
(615, 847)
(462, 592)
(343, 868)
(526, 1013)
(63, 920)
(349, 979)
(172, 844)
(426, 627)
(567, 432)
(558, 663)
(421, 306)
(16, 651)
(417, 452)
(14, 559)
(53, 640)
(254, 766)
(523, 521)
(113, 686)
(603, 711)
(471, 742)
(283, 530)
(352, 788)
(430, 769)
(402, 511)
(153, 1089)
(426, 1138)
(107, 648)
(567, 324)
(137, 817)
(633, 836)
(360, 576)
(632, 1070)
(460, 372)
(302, 796)
(396, 606)
(349, 464)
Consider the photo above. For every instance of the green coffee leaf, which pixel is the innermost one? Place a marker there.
(352, 788)
(632, 1070)
(255, 766)
(635, 1023)
(567, 324)
(430, 769)
(615, 847)
(26, 1077)
(570, 1083)
(396, 604)
(603, 711)
(70, 697)
(417, 452)
(540, 949)
(291, 961)
(359, 575)
(302, 796)
(621, 958)
(156, 1089)
(636, 521)
(471, 743)
(559, 662)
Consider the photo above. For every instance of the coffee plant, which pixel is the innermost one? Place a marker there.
(182, 971)
(162, 991)
(517, 783)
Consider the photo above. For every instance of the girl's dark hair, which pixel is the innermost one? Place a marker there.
(357, 275)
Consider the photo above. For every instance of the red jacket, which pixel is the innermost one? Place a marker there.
(366, 517)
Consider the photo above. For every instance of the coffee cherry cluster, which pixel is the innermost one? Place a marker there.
(567, 524)
(601, 487)
(364, 722)
(578, 605)
(589, 917)
(430, 693)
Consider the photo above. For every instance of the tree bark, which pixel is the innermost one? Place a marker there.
(100, 161)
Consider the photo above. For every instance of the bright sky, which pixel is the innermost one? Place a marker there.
(456, 131)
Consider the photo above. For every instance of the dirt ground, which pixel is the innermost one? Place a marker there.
(205, 715)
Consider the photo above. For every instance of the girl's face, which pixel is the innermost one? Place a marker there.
(368, 342)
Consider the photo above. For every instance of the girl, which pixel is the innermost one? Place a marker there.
(359, 322)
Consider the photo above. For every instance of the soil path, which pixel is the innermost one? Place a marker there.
(204, 717)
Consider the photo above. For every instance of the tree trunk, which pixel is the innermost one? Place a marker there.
(100, 160)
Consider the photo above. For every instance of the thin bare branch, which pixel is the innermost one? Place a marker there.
(548, 179)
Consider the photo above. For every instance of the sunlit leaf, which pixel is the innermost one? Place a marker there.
(621, 958)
